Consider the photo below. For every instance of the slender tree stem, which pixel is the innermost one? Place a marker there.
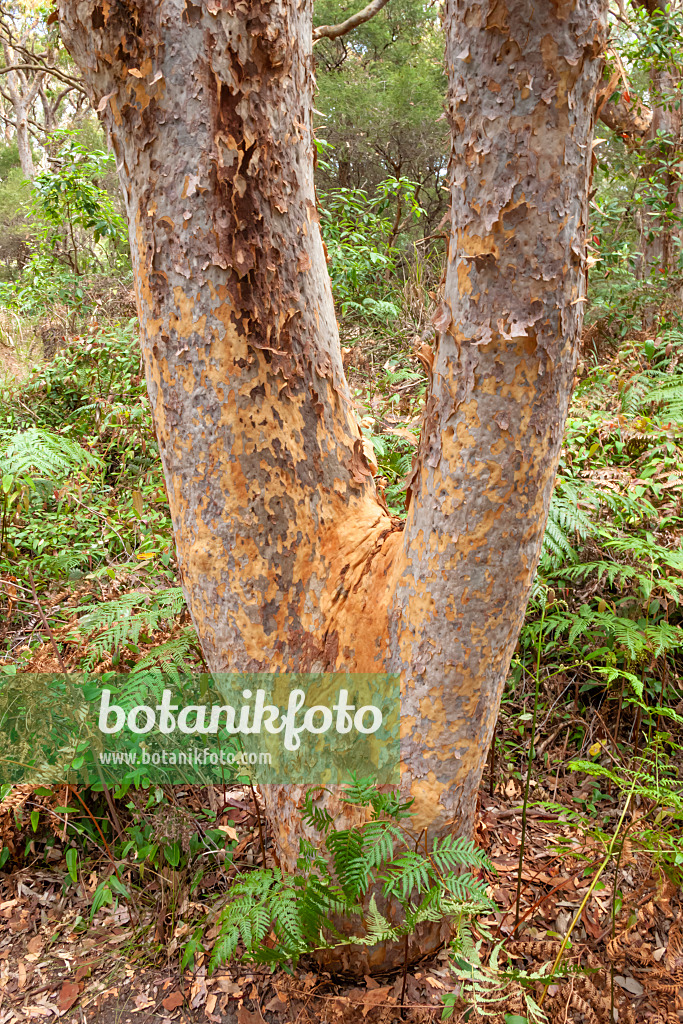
(529, 763)
(39, 606)
(260, 826)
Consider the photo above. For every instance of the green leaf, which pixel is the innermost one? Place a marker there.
(72, 864)
(172, 854)
(35, 818)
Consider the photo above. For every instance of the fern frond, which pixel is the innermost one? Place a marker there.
(456, 851)
(172, 654)
(36, 452)
(347, 849)
(123, 620)
(407, 873)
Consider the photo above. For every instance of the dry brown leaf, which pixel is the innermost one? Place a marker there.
(377, 997)
(68, 995)
(173, 1001)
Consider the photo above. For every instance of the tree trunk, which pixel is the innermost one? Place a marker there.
(523, 82)
(21, 115)
(283, 547)
(21, 94)
(663, 230)
(288, 560)
(661, 220)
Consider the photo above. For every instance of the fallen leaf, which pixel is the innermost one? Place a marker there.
(230, 832)
(245, 1016)
(173, 1001)
(377, 997)
(142, 1002)
(629, 984)
(229, 987)
(275, 1005)
(68, 995)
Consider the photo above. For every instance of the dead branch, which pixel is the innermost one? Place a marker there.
(334, 31)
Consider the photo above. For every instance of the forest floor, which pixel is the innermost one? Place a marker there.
(55, 962)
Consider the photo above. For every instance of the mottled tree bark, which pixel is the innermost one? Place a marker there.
(283, 547)
(288, 559)
(523, 82)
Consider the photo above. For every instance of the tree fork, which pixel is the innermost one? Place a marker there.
(288, 560)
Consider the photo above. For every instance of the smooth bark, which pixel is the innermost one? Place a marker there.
(21, 94)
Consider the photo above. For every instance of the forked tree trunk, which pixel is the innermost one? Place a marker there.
(288, 559)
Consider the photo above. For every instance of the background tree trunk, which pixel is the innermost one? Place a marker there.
(661, 220)
(287, 558)
(21, 95)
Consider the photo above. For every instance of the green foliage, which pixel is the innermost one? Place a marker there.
(380, 102)
(9, 159)
(71, 197)
(131, 619)
(76, 226)
(92, 395)
(31, 457)
(360, 233)
(486, 986)
(15, 231)
(342, 878)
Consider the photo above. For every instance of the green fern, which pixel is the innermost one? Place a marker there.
(112, 624)
(668, 396)
(172, 657)
(40, 453)
(299, 911)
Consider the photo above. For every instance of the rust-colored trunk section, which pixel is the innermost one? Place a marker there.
(209, 110)
(288, 560)
(523, 82)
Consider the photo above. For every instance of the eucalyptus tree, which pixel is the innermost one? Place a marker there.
(289, 560)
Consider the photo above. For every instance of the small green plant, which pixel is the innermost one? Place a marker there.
(69, 196)
(360, 232)
(486, 987)
(29, 458)
(273, 918)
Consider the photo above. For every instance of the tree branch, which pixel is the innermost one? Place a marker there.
(630, 119)
(334, 31)
(46, 70)
(627, 116)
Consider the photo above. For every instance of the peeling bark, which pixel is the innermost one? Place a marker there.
(288, 560)
(523, 82)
